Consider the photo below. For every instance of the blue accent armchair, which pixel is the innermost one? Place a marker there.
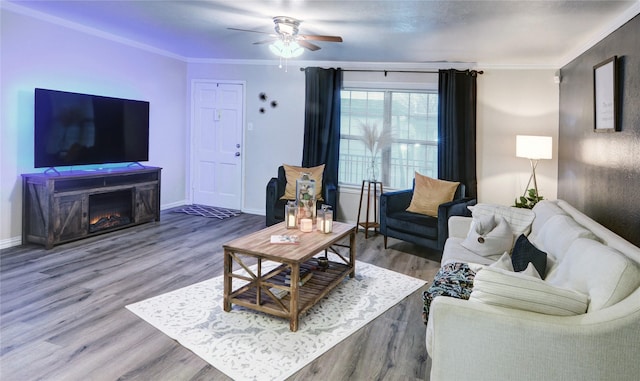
(275, 190)
(416, 228)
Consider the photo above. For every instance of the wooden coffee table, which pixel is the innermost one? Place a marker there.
(257, 287)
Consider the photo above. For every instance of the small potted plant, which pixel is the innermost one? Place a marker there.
(529, 201)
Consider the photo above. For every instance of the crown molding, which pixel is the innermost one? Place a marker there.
(85, 29)
(600, 35)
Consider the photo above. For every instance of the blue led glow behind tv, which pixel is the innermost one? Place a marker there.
(81, 129)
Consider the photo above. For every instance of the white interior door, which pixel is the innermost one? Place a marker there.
(218, 119)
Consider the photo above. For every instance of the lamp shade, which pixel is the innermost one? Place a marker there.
(533, 147)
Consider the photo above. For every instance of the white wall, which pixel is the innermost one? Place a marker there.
(510, 103)
(37, 53)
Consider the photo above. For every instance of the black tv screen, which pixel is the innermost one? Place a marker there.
(80, 129)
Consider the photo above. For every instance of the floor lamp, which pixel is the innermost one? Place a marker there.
(533, 148)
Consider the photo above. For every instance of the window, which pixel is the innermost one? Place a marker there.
(410, 117)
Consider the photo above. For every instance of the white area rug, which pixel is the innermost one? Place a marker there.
(249, 345)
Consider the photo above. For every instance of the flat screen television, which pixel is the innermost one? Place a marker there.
(81, 129)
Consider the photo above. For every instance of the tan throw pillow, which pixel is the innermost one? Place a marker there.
(293, 173)
(429, 193)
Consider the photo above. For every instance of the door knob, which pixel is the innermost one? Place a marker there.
(238, 145)
(237, 153)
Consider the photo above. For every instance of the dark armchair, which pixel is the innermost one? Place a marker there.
(275, 190)
(420, 229)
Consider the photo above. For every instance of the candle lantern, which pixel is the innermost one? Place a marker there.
(306, 196)
(325, 219)
(291, 215)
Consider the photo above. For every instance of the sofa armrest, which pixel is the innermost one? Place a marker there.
(272, 196)
(500, 343)
(459, 226)
(396, 201)
(392, 202)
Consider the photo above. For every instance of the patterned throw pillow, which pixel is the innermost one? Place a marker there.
(454, 280)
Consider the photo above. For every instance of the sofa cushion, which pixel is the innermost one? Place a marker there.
(558, 234)
(601, 272)
(293, 173)
(524, 253)
(520, 291)
(489, 236)
(455, 252)
(429, 193)
(519, 219)
(414, 223)
(543, 210)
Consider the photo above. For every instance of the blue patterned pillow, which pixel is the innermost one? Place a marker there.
(524, 253)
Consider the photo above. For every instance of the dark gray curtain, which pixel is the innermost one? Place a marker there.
(457, 93)
(322, 121)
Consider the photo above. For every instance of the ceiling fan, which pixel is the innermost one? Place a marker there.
(287, 42)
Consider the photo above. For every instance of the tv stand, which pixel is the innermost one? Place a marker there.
(68, 206)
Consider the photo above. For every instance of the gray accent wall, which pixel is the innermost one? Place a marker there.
(599, 172)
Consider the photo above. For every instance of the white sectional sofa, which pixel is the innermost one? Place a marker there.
(497, 336)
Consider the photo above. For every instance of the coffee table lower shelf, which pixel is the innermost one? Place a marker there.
(317, 287)
(254, 287)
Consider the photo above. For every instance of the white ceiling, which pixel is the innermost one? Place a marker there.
(477, 33)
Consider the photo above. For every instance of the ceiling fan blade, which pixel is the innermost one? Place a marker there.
(308, 45)
(320, 38)
(252, 31)
(265, 41)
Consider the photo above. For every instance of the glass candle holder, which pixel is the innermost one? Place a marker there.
(325, 219)
(306, 196)
(291, 215)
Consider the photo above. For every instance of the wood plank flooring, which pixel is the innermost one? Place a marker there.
(62, 314)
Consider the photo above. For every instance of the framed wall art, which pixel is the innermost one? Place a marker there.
(605, 95)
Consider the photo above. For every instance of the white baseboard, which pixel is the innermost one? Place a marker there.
(174, 205)
(254, 211)
(10, 242)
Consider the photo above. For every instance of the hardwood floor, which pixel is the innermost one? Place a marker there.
(62, 314)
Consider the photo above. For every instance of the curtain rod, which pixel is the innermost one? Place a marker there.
(473, 72)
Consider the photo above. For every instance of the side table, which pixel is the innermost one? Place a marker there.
(366, 224)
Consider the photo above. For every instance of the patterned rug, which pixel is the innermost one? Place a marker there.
(208, 211)
(249, 345)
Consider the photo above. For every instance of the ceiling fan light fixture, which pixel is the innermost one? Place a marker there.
(286, 49)
(286, 25)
